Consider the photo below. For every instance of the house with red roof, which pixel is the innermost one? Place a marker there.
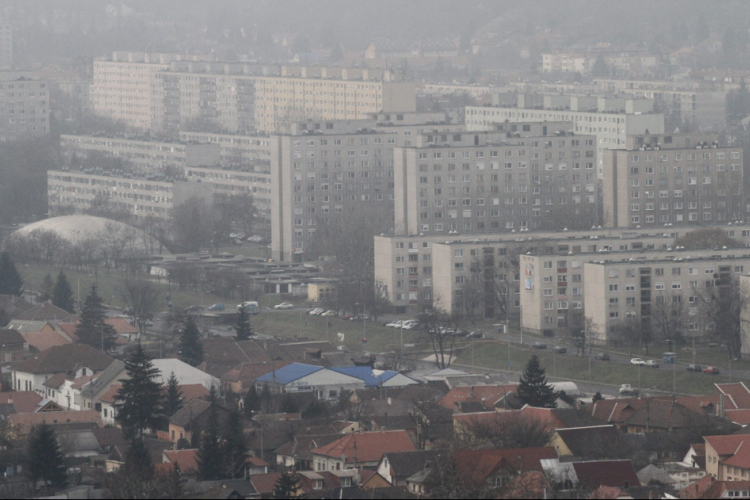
(613, 473)
(363, 449)
(186, 459)
(12, 346)
(463, 423)
(728, 457)
(23, 401)
(736, 395)
(496, 467)
(41, 341)
(635, 416)
(488, 396)
(23, 423)
(708, 487)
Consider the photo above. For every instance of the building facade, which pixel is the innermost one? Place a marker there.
(610, 119)
(523, 176)
(24, 108)
(683, 179)
(6, 46)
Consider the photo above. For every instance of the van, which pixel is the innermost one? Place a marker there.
(251, 307)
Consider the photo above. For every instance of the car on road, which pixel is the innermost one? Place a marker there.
(316, 311)
(251, 307)
(711, 370)
(637, 362)
(601, 356)
(476, 335)
(394, 324)
(559, 349)
(255, 238)
(217, 307)
(342, 348)
(539, 345)
(328, 313)
(628, 390)
(283, 305)
(194, 309)
(652, 363)
(694, 368)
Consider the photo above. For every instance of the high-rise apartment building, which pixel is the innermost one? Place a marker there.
(323, 172)
(659, 179)
(610, 119)
(521, 176)
(24, 108)
(166, 92)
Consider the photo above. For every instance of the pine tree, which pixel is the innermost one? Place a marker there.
(45, 458)
(136, 477)
(191, 347)
(174, 396)
(211, 459)
(92, 329)
(138, 463)
(62, 294)
(252, 402)
(533, 388)
(47, 288)
(235, 445)
(139, 403)
(10, 281)
(287, 486)
(243, 327)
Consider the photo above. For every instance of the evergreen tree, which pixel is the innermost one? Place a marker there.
(174, 396)
(191, 347)
(175, 483)
(243, 327)
(10, 281)
(600, 67)
(252, 402)
(287, 486)
(138, 462)
(4, 317)
(533, 388)
(47, 288)
(235, 445)
(62, 294)
(139, 402)
(211, 459)
(92, 329)
(45, 458)
(136, 477)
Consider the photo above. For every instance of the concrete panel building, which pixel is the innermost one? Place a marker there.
(683, 179)
(610, 119)
(522, 176)
(6, 46)
(24, 107)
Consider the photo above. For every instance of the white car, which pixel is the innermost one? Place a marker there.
(637, 362)
(255, 238)
(284, 305)
(394, 324)
(316, 311)
(328, 313)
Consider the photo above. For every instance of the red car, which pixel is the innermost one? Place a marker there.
(711, 370)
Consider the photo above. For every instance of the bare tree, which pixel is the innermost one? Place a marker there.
(506, 430)
(723, 304)
(668, 316)
(142, 298)
(632, 332)
(440, 330)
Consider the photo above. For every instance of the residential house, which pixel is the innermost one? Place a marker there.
(297, 454)
(242, 377)
(632, 415)
(71, 359)
(41, 341)
(182, 423)
(596, 442)
(495, 468)
(613, 473)
(12, 346)
(48, 312)
(377, 378)
(14, 305)
(397, 467)
(24, 423)
(187, 460)
(23, 401)
(488, 397)
(728, 457)
(370, 480)
(708, 487)
(364, 449)
(326, 384)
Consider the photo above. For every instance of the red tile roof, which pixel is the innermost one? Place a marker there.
(738, 393)
(264, 483)
(122, 326)
(109, 395)
(23, 401)
(11, 337)
(697, 489)
(65, 358)
(735, 449)
(256, 462)
(55, 381)
(616, 410)
(720, 489)
(41, 341)
(615, 473)
(186, 459)
(546, 416)
(69, 329)
(193, 391)
(45, 311)
(370, 446)
(24, 422)
(480, 465)
(741, 417)
(486, 395)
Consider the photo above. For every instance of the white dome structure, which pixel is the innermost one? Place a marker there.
(78, 228)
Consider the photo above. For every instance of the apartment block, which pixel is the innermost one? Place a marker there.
(683, 179)
(610, 119)
(6, 46)
(324, 170)
(151, 195)
(235, 149)
(611, 288)
(415, 271)
(522, 176)
(24, 108)
(147, 155)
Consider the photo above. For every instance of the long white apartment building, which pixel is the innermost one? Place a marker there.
(235, 149)
(610, 119)
(323, 172)
(413, 271)
(522, 176)
(150, 195)
(165, 92)
(683, 179)
(627, 289)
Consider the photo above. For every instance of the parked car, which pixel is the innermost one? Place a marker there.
(217, 307)
(637, 362)
(255, 238)
(328, 313)
(476, 335)
(601, 356)
(694, 368)
(342, 348)
(193, 309)
(652, 363)
(316, 311)
(711, 370)
(283, 305)
(539, 345)
(559, 349)
(628, 390)
(394, 324)
(251, 307)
